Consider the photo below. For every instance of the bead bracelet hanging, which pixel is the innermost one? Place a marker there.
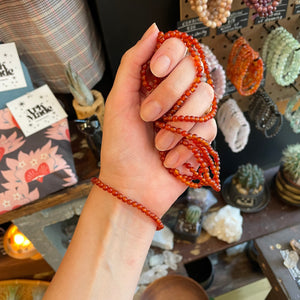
(263, 8)
(234, 125)
(245, 68)
(212, 13)
(281, 53)
(264, 112)
(208, 159)
(216, 71)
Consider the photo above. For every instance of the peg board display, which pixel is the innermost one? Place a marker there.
(254, 31)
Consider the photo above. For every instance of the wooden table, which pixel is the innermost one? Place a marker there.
(276, 216)
(284, 286)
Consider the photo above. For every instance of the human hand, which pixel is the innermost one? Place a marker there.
(130, 161)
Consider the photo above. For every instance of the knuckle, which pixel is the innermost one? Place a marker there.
(126, 56)
(208, 90)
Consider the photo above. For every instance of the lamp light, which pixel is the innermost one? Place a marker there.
(17, 245)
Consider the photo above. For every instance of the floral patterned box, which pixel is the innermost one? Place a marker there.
(33, 167)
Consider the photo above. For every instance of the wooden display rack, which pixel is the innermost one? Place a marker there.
(255, 34)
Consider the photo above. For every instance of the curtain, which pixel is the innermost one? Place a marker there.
(50, 33)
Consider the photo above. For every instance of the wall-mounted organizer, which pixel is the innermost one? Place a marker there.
(254, 30)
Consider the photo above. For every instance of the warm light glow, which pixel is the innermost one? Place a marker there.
(26, 242)
(17, 245)
(19, 239)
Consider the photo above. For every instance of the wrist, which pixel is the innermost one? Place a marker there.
(124, 210)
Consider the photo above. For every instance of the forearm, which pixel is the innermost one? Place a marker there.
(107, 252)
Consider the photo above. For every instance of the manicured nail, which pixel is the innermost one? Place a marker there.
(150, 111)
(149, 31)
(161, 66)
(165, 141)
(171, 159)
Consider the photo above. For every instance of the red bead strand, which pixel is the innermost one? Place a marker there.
(139, 206)
(208, 159)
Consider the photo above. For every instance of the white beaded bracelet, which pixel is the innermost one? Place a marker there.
(216, 71)
(233, 124)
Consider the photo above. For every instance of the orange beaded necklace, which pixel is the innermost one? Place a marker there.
(208, 159)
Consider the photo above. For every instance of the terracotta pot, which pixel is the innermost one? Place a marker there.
(97, 108)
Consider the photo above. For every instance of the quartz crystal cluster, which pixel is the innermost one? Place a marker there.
(157, 265)
(225, 224)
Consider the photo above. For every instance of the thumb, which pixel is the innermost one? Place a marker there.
(128, 78)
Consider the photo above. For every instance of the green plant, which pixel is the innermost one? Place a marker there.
(78, 88)
(291, 161)
(193, 214)
(249, 176)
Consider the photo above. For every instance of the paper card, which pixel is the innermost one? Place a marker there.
(36, 110)
(11, 73)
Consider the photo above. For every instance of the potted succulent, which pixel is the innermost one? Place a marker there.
(246, 189)
(287, 179)
(188, 225)
(86, 102)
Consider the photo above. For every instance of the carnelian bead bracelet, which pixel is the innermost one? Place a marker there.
(245, 68)
(139, 206)
(207, 158)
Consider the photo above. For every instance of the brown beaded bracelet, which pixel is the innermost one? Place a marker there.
(139, 206)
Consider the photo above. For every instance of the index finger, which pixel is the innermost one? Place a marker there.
(165, 59)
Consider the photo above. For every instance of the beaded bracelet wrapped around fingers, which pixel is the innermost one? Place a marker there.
(245, 68)
(208, 159)
(281, 53)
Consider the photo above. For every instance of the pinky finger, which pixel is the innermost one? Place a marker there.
(180, 154)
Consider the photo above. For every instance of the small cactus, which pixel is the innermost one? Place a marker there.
(291, 161)
(78, 88)
(250, 177)
(193, 214)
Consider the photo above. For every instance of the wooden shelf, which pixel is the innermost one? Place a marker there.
(12, 268)
(276, 216)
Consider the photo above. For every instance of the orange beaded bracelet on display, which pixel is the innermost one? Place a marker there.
(245, 68)
(209, 163)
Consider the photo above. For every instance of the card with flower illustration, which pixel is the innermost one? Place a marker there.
(11, 72)
(36, 110)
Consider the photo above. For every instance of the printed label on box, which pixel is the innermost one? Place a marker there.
(36, 110)
(11, 73)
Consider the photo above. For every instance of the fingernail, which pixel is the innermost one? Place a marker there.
(171, 159)
(165, 141)
(149, 31)
(161, 65)
(150, 111)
